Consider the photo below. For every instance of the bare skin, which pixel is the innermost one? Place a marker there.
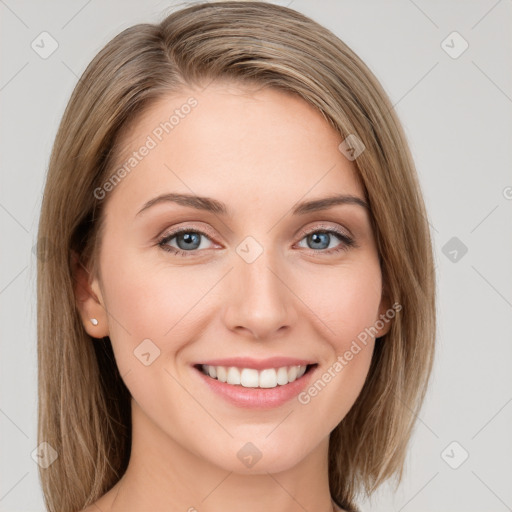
(260, 152)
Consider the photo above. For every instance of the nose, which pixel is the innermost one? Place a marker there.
(261, 304)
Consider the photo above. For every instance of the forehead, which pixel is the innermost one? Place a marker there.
(233, 142)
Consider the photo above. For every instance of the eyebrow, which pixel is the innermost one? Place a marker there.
(217, 207)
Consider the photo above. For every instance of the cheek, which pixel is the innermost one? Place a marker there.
(152, 301)
(345, 300)
(346, 303)
(153, 313)
(148, 298)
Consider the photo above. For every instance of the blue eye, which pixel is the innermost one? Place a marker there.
(189, 241)
(320, 240)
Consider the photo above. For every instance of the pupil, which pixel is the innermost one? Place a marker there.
(320, 238)
(189, 238)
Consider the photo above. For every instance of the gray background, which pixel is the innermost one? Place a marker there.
(457, 116)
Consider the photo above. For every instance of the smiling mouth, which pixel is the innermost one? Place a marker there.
(251, 378)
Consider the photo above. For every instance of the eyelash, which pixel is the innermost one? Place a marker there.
(347, 242)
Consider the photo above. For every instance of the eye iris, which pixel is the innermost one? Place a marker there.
(319, 238)
(192, 240)
(188, 238)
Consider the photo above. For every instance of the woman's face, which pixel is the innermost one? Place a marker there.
(262, 279)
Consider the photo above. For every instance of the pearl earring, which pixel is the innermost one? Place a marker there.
(94, 321)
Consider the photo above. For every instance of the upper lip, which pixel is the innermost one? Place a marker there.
(257, 364)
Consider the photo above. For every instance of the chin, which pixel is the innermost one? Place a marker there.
(258, 455)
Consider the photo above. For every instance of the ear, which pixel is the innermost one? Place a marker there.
(385, 316)
(89, 300)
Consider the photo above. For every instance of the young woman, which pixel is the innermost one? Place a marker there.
(239, 311)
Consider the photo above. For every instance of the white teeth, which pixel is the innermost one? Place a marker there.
(301, 371)
(222, 374)
(233, 376)
(268, 378)
(282, 375)
(251, 378)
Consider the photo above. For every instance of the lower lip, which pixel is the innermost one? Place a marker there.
(259, 398)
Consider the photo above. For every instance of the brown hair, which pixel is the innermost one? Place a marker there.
(84, 406)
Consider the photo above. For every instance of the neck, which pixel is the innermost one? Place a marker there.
(164, 475)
